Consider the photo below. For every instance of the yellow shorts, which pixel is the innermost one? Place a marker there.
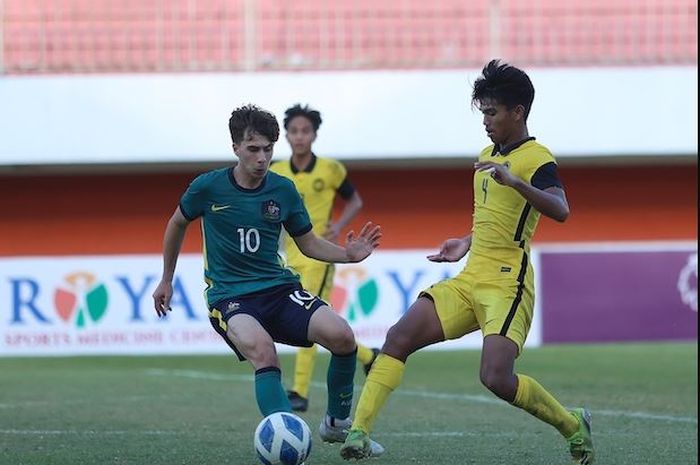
(317, 279)
(489, 296)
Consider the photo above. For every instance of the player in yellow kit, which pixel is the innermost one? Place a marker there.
(319, 180)
(515, 180)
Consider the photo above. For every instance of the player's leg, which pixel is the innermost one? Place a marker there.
(334, 333)
(318, 280)
(367, 356)
(255, 344)
(507, 310)
(497, 374)
(417, 328)
(304, 362)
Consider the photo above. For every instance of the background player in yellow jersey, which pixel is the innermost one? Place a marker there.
(319, 180)
(515, 180)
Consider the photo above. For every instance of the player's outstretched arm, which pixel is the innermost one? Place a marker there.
(357, 247)
(452, 250)
(172, 241)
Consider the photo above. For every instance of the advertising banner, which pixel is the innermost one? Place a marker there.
(611, 294)
(103, 304)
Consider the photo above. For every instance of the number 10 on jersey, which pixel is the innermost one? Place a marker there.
(249, 240)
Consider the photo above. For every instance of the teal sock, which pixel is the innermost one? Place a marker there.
(341, 374)
(269, 391)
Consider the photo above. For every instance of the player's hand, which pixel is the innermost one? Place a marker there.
(332, 232)
(452, 250)
(162, 296)
(500, 173)
(358, 248)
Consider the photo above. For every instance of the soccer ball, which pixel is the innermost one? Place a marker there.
(282, 439)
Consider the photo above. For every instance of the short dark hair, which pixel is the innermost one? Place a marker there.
(506, 85)
(309, 113)
(255, 120)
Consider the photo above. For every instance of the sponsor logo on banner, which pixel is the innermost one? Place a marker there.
(81, 299)
(355, 294)
(688, 282)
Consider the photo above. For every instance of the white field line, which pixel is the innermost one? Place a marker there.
(39, 403)
(50, 432)
(482, 399)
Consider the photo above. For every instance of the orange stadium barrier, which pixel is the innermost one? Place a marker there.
(119, 214)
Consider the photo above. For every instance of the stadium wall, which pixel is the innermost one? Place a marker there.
(417, 208)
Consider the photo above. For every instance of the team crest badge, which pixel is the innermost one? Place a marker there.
(271, 210)
(318, 185)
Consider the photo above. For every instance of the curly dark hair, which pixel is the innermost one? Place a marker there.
(504, 84)
(253, 119)
(309, 113)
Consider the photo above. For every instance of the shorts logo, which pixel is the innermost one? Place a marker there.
(233, 306)
(318, 185)
(507, 164)
(270, 210)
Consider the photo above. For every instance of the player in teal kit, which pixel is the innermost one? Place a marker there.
(253, 299)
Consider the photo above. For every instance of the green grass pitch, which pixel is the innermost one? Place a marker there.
(174, 410)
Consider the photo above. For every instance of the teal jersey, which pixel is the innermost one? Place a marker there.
(241, 229)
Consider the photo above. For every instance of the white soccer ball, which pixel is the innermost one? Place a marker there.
(282, 439)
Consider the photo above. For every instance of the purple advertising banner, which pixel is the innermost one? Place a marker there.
(608, 296)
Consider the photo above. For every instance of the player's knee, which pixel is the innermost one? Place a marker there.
(398, 344)
(262, 355)
(497, 382)
(343, 339)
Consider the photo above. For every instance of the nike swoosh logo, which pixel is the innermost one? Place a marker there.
(218, 208)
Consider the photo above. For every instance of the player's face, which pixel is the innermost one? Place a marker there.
(502, 125)
(254, 154)
(300, 135)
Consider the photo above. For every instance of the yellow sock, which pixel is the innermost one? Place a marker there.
(364, 354)
(385, 376)
(303, 369)
(535, 400)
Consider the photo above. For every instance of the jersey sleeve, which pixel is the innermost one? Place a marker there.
(297, 221)
(193, 201)
(540, 168)
(546, 177)
(340, 181)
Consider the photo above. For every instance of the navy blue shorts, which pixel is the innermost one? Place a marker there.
(284, 312)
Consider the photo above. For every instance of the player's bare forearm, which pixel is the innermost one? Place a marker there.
(550, 202)
(172, 242)
(350, 211)
(321, 249)
(357, 247)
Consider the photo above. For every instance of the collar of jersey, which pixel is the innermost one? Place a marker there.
(241, 188)
(308, 167)
(509, 148)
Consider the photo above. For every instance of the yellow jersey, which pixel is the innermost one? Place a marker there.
(504, 222)
(318, 185)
